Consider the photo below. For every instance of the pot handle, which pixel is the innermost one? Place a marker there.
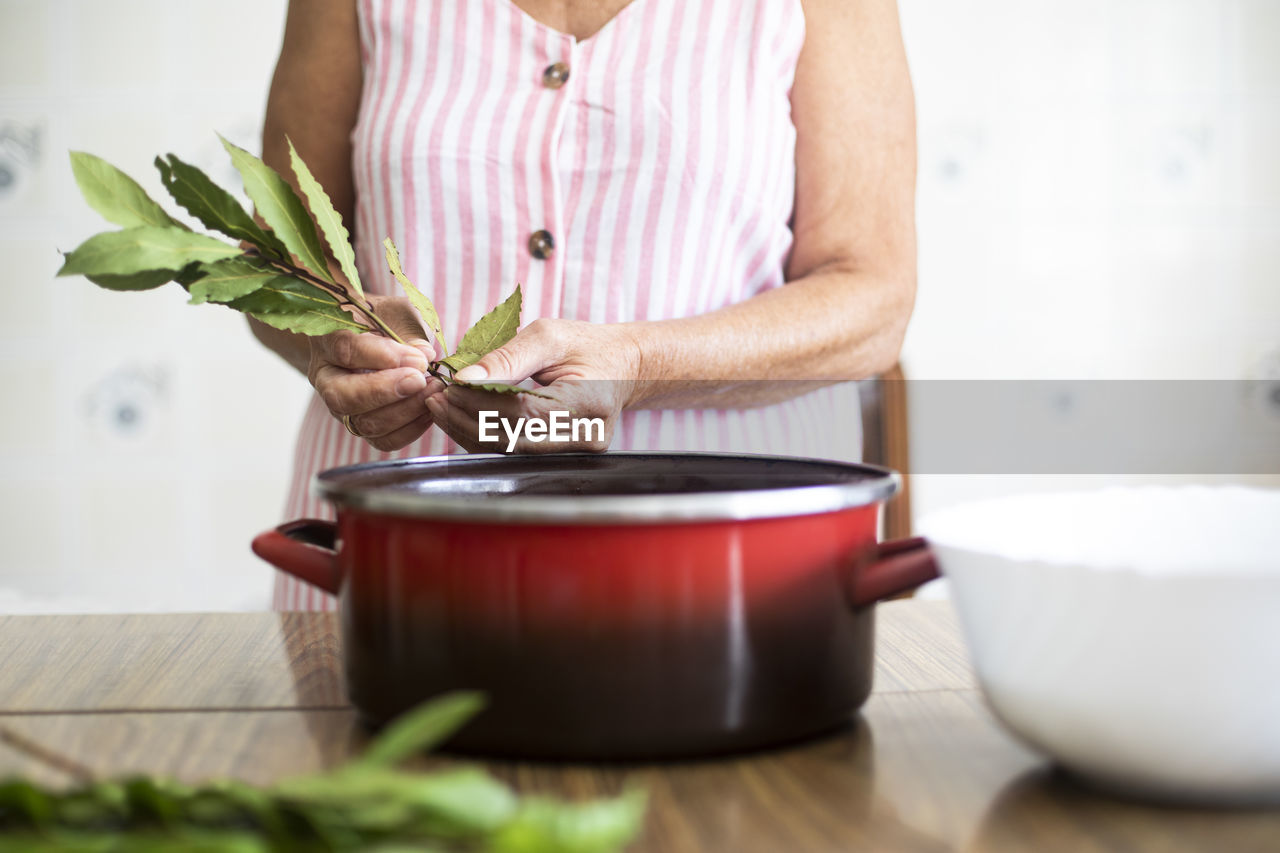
(889, 568)
(305, 549)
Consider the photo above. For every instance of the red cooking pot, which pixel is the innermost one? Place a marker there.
(625, 605)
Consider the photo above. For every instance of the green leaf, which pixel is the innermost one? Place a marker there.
(500, 388)
(454, 802)
(229, 279)
(417, 297)
(213, 206)
(459, 360)
(328, 218)
(594, 827)
(280, 207)
(222, 800)
(148, 799)
(422, 728)
(189, 275)
(360, 806)
(142, 249)
(296, 306)
(115, 195)
(493, 329)
(145, 280)
(92, 804)
(23, 802)
(465, 801)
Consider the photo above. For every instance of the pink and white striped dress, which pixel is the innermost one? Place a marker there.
(662, 166)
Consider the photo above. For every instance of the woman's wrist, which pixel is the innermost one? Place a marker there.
(647, 362)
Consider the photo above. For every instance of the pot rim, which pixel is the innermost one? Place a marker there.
(742, 505)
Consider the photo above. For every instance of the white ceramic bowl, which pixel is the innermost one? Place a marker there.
(1133, 634)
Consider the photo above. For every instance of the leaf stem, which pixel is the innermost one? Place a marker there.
(377, 321)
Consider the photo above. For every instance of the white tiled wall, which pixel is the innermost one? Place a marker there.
(143, 442)
(1099, 188)
(1099, 197)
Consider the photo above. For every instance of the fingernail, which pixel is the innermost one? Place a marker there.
(413, 360)
(474, 373)
(434, 386)
(411, 384)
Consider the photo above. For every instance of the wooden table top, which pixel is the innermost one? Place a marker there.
(260, 696)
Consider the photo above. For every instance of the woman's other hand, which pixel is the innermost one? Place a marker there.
(379, 385)
(588, 370)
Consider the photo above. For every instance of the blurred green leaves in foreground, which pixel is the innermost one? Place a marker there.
(368, 804)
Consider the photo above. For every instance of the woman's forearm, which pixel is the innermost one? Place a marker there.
(851, 269)
(314, 99)
(832, 325)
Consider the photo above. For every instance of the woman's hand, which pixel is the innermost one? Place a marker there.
(382, 385)
(589, 370)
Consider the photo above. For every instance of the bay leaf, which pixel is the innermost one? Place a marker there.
(501, 388)
(229, 279)
(143, 249)
(76, 809)
(466, 800)
(23, 801)
(328, 218)
(296, 306)
(382, 813)
(304, 322)
(422, 728)
(543, 824)
(280, 207)
(213, 206)
(454, 803)
(460, 359)
(115, 195)
(246, 799)
(145, 280)
(493, 329)
(189, 275)
(149, 800)
(149, 279)
(419, 299)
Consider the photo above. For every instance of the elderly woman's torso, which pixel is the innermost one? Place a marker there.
(646, 172)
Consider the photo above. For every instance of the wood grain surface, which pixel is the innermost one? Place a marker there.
(923, 768)
(170, 662)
